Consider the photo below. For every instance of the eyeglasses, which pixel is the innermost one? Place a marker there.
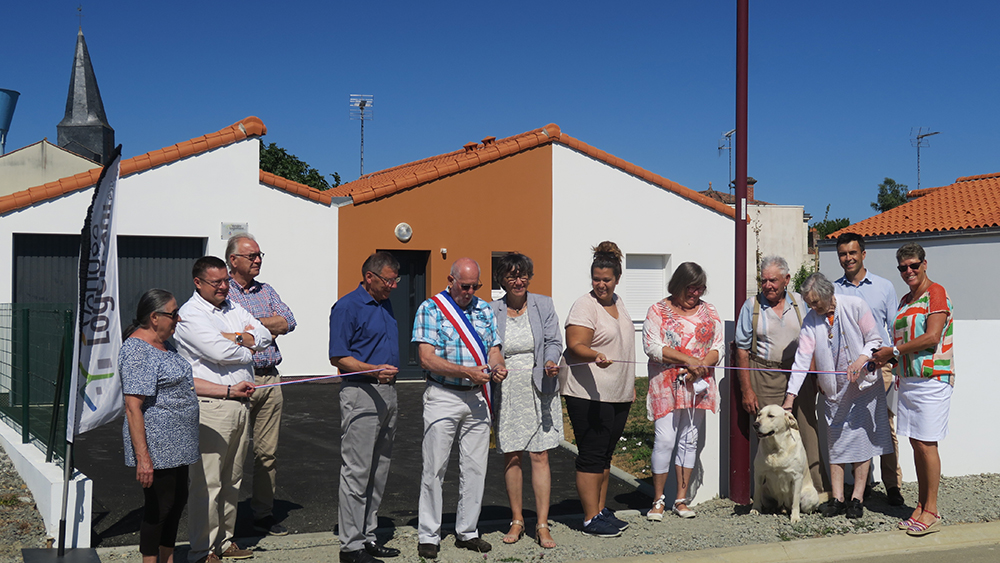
(915, 266)
(695, 289)
(173, 316)
(511, 279)
(472, 286)
(388, 281)
(252, 257)
(217, 283)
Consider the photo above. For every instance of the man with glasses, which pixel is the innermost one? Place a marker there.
(767, 337)
(364, 338)
(459, 349)
(218, 337)
(880, 296)
(264, 303)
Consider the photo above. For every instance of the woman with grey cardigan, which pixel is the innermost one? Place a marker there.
(840, 333)
(527, 405)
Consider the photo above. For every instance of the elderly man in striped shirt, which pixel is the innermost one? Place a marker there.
(263, 302)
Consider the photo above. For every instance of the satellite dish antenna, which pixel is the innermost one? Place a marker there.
(8, 100)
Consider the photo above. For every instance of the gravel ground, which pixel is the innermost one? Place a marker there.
(20, 523)
(720, 523)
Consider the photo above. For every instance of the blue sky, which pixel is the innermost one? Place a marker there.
(835, 87)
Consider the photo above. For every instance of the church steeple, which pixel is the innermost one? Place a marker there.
(84, 129)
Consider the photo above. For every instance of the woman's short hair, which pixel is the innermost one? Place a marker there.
(910, 250)
(818, 283)
(774, 262)
(607, 255)
(687, 274)
(152, 301)
(513, 264)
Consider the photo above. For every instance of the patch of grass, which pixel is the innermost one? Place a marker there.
(635, 450)
(510, 560)
(9, 499)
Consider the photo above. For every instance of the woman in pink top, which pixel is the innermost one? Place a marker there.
(683, 338)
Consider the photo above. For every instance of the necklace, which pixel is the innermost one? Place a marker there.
(519, 310)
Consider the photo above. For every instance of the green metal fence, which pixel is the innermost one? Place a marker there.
(36, 353)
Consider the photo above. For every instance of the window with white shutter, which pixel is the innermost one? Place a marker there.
(645, 281)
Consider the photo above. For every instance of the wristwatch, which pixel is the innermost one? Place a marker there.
(239, 339)
(895, 351)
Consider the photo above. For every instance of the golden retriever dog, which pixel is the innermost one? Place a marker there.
(781, 471)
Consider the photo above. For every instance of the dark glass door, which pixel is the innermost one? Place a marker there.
(408, 295)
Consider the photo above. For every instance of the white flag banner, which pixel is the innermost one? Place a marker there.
(95, 388)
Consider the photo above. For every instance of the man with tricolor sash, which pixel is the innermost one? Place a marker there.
(459, 349)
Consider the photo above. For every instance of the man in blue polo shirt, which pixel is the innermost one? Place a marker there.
(880, 296)
(364, 338)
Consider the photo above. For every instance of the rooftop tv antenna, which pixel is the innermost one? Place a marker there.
(726, 144)
(8, 100)
(918, 139)
(362, 108)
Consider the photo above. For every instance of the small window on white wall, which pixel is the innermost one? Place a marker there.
(645, 280)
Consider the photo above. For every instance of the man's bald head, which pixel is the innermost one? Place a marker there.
(463, 281)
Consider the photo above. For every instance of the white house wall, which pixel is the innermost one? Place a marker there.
(950, 260)
(782, 232)
(592, 202)
(192, 198)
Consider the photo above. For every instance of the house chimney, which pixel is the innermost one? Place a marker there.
(487, 141)
(750, 182)
(470, 147)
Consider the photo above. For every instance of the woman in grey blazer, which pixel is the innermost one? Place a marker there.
(527, 404)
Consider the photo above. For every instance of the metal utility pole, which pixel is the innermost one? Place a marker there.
(918, 140)
(739, 421)
(358, 105)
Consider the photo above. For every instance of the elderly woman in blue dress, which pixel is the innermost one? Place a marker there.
(527, 404)
(161, 421)
(840, 334)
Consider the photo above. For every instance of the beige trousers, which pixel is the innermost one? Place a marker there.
(215, 479)
(265, 418)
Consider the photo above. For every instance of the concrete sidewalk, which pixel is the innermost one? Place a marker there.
(965, 543)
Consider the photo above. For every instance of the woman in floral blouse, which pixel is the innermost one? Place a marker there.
(683, 337)
(922, 338)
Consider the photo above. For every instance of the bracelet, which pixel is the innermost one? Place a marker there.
(229, 388)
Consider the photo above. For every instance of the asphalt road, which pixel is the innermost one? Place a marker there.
(309, 458)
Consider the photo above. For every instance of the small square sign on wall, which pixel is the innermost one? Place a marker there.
(230, 229)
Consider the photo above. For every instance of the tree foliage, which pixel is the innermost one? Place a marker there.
(827, 226)
(890, 194)
(280, 162)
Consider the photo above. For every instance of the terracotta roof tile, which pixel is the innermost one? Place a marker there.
(972, 202)
(406, 176)
(251, 126)
(324, 197)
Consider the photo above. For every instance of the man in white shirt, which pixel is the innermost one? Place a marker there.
(218, 337)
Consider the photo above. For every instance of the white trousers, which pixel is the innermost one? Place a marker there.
(449, 414)
(224, 439)
(677, 428)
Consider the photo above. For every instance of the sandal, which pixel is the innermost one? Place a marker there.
(682, 512)
(543, 543)
(918, 528)
(510, 538)
(905, 524)
(660, 506)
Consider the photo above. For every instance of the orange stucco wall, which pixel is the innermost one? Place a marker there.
(501, 206)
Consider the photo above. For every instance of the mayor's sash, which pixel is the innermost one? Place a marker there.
(463, 325)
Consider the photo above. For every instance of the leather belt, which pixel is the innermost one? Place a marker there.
(453, 387)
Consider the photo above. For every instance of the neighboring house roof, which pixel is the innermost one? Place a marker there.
(387, 182)
(972, 202)
(246, 128)
(730, 199)
(914, 194)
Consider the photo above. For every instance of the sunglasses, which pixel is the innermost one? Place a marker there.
(252, 257)
(217, 283)
(472, 286)
(915, 266)
(173, 316)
